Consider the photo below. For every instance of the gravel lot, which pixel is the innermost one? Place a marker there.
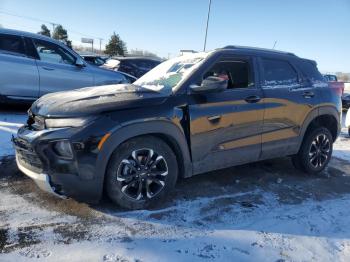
(264, 211)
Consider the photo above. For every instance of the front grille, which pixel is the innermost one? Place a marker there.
(27, 156)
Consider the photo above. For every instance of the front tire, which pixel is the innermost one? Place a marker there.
(141, 172)
(315, 152)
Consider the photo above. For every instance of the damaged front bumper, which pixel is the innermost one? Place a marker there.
(65, 178)
(40, 179)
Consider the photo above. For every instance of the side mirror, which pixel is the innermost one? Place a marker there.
(210, 84)
(79, 62)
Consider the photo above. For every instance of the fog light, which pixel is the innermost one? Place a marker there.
(63, 148)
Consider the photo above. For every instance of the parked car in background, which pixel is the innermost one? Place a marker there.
(94, 59)
(192, 114)
(135, 66)
(97, 60)
(347, 121)
(32, 65)
(345, 100)
(330, 78)
(342, 87)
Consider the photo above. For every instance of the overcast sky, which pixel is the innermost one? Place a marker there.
(315, 29)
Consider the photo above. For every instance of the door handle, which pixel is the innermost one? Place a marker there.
(308, 94)
(252, 99)
(48, 68)
(214, 118)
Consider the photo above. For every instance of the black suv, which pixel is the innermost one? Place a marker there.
(190, 115)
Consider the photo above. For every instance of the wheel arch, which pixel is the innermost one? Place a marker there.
(325, 116)
(165, 130)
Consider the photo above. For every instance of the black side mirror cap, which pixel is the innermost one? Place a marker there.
(210, 84)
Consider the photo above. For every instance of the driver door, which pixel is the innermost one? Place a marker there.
(225, 126)
(57, 69)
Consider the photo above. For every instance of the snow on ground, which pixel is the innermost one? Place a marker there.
(9, 124)
(273, 213)
(187, 231)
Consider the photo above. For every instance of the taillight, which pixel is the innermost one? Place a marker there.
(338, 87)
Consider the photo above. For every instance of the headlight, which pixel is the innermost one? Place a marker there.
(63, 148)
(67, 122)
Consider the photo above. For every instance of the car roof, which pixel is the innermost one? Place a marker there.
(262, 51)
(255, 50)
(33, 35)
(27, 34)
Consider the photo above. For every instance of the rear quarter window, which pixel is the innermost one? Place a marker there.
(278, 73)
(310, 71)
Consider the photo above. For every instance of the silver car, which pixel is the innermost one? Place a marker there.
(32, 65)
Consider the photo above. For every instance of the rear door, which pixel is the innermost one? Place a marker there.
(57, 68)
(289, 98)
(225, 127)
(19, 73)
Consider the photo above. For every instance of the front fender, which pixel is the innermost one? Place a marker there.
(164, 127)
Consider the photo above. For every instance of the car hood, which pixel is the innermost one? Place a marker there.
(94, 100)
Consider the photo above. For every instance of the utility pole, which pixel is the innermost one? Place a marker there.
(100, 43)
(53, 27)
(274, 45)
(206, 29)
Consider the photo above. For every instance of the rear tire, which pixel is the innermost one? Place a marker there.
(315, 152)
(141, 172)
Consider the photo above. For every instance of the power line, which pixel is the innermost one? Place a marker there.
(45, 21)
(25, 17)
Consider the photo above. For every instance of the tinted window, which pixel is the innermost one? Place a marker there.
(310, 71)
(332, 78)
(145, 64)
(238, 72)
(89, 59)
(31, 51)
(52, 53)
(12, 44)
(277, 72)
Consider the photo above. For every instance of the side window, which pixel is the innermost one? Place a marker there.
(89, 59)
(31, 51)
(52, 53)
(278, 73)
(126, 64)
(333, 78)
(146, 64)
(310, 71)
(238, 72)
(12, 44)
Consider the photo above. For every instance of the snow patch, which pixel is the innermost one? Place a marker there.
(9, 124)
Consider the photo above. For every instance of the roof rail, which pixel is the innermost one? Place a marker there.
(257, 49)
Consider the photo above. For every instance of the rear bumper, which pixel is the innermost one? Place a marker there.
(41, 180)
